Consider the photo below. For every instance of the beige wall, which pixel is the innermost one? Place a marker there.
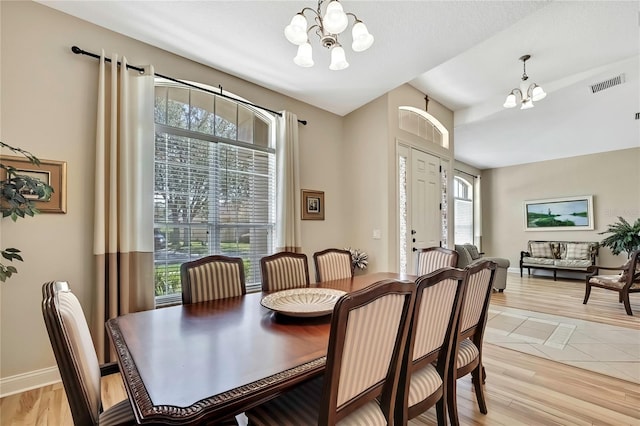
(371, 134)
(48, 107)
(611, 177)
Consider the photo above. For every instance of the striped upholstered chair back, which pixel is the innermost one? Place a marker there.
(439, 297)
(284, 270)
(368, 335)
(77, 360)
(467, 355)
(433, 258)
(212, 277)
(333, 264)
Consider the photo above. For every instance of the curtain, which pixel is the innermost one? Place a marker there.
(288, 229)
(123, 209)
(477, 220)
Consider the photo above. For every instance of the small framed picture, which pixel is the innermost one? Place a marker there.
(312, 205)
(51, 172)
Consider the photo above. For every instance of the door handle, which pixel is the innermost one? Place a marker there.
(413, 232)
(414, 249)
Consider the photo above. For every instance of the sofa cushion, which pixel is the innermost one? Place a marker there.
(540, 250)
(572, 263)
(577, 251)
(537, 261)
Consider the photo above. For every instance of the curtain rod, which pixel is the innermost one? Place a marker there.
(467, 173)
(78, 51)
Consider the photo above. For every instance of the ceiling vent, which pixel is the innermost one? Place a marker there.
(603, 85)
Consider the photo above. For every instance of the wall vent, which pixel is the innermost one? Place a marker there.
(603, 85)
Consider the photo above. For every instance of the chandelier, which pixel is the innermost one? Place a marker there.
(527, 94)
(327, 27)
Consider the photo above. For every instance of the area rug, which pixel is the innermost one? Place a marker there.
(601, 348)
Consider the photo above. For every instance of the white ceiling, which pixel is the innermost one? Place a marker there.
(464, 54)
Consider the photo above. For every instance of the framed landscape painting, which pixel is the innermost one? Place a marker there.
(559, 214)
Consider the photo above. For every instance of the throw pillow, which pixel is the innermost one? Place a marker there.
(625, 272)
(577, 251)
(540, 250)
(473, 251)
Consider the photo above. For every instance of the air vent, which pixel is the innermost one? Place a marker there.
(603, 85)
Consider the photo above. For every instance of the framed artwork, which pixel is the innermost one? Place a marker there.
(51, 172)
(559, 214)
(312, 205)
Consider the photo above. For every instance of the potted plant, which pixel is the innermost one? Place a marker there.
(624, 236)
(14, 203)
(359, 259)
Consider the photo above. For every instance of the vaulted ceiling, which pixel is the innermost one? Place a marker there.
(464, 54)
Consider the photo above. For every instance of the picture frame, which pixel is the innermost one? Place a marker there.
(312, 205)
(51, 172)
(559, 214)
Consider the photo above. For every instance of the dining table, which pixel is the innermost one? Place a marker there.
(207, 361)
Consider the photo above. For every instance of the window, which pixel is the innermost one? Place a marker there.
(463, 207)
(214, 184)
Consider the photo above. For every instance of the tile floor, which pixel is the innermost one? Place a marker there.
(605, 349)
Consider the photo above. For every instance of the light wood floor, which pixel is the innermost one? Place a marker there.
(521, 389)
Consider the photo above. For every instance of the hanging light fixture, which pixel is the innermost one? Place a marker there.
(527, 94)
(327, 27)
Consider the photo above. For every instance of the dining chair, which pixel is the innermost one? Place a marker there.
(433, 258)
(284, 270)
(625, 283)
(212, 277)
(427, 358)
(333, 264)
(469, 338)
(368, 334)
(77, 360)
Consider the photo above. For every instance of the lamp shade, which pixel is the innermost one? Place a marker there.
(304, 57)
(335, 20)
(537, 93)
(510, 102)
(296, 31)
(526, 104)
(362, 40)
(338, 59)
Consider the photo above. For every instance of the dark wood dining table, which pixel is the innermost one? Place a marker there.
(210, 360)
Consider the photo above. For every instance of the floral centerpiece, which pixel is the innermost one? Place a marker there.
(359, 259)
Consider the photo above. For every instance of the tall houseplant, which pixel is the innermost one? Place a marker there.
(624, 236)
(14, 204)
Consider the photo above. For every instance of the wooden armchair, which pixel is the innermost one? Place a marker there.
(625, 283)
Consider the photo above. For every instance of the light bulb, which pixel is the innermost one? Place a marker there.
(537, 93)
(338, 59)
(296, 31)
(335, 20)
(510, 102)
(527, 104)
(362, 40)
(304, 57)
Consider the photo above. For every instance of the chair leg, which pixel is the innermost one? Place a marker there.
(477, 378)
(619, 297)
(452, 403)
(587, 292)
(441, 411)
(627, 303)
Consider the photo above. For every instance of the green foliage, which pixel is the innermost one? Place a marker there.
(624, 236)
(14, 204)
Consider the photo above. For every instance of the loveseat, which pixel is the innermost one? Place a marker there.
(468, 254)
(574, 256)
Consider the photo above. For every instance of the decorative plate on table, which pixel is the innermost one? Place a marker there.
(302, 302)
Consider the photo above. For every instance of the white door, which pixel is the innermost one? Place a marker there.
(425, 218)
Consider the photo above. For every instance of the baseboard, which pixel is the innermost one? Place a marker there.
(27, 381)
